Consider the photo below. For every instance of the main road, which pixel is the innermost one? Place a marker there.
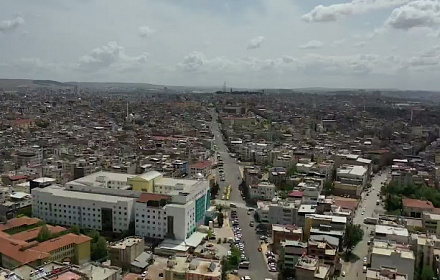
(367, 208)
(258, 267)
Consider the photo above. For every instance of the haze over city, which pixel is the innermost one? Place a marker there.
(249, 43)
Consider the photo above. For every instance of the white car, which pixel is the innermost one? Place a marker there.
(343, 273)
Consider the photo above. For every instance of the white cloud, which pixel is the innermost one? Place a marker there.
(428, 60)
(420, 13)
(359, 44)
(197, 62)
(314, 44)
(336, 11)
(146, 31)
(11, 25)
(255, 43)
(338, 42)
(111, 55)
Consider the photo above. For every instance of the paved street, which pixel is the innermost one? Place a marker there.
(368, 204)
(258, 268)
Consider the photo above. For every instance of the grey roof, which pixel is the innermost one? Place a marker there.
(330, 239)
(143, 260)
(60, 192)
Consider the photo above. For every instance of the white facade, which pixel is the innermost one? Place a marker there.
(264, 191)
(187, 202)
(283, 213)
(59, 206)
(401, 259)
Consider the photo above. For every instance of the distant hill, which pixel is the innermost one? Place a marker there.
(12, 84)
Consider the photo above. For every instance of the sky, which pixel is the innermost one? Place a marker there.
(247, 43)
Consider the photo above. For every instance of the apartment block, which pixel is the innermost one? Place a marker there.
(393, 255)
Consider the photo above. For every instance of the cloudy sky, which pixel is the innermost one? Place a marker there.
(247, 43)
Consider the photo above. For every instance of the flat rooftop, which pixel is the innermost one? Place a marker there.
(60, 192)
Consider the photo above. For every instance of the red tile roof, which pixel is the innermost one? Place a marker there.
(68, 275)
(202, 164)
(436, 210)
(23, 121)
(416, 203)
(56, 243)
(18, 222)
(346, 203)
(18, 177)
(129, 276)
(296, 194)
(145, 197)
(13, 250)
(33, 233)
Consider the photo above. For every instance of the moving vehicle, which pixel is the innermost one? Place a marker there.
(378, 202)
(244, 265)
(371, 221)
(251, 224)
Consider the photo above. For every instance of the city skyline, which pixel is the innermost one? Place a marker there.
(249, 44)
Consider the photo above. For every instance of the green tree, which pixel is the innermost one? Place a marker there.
(210, 234)
(234, 258)
(99, 249)
(427, 273)
(44, 234)
(328, 188)
(353, 235)
(220, 219)
(225, 268)
(75, 229)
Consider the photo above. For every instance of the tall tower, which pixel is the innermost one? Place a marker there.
(224, 87)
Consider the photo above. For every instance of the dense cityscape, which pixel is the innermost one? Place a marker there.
(128, 183)
(220, 140)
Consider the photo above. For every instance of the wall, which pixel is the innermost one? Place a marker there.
(82, 253)
(405, 266)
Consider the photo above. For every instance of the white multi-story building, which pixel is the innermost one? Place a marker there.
(103, 179)
(175, 211)
(173, 208)
(350, 180)
(283, 213)
(400, 257)
(263, 190)
(57, 205)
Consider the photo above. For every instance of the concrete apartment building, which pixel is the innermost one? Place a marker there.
(281, 233)
(397, 234)
(393, 255)
(317, 224)
(263, 190)
(425, 247)
(385, 273)
(123, 252)
(310, 268)
(291, 252)
(192, 268)
(350, 180)
(415, 207)
(283, 212)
